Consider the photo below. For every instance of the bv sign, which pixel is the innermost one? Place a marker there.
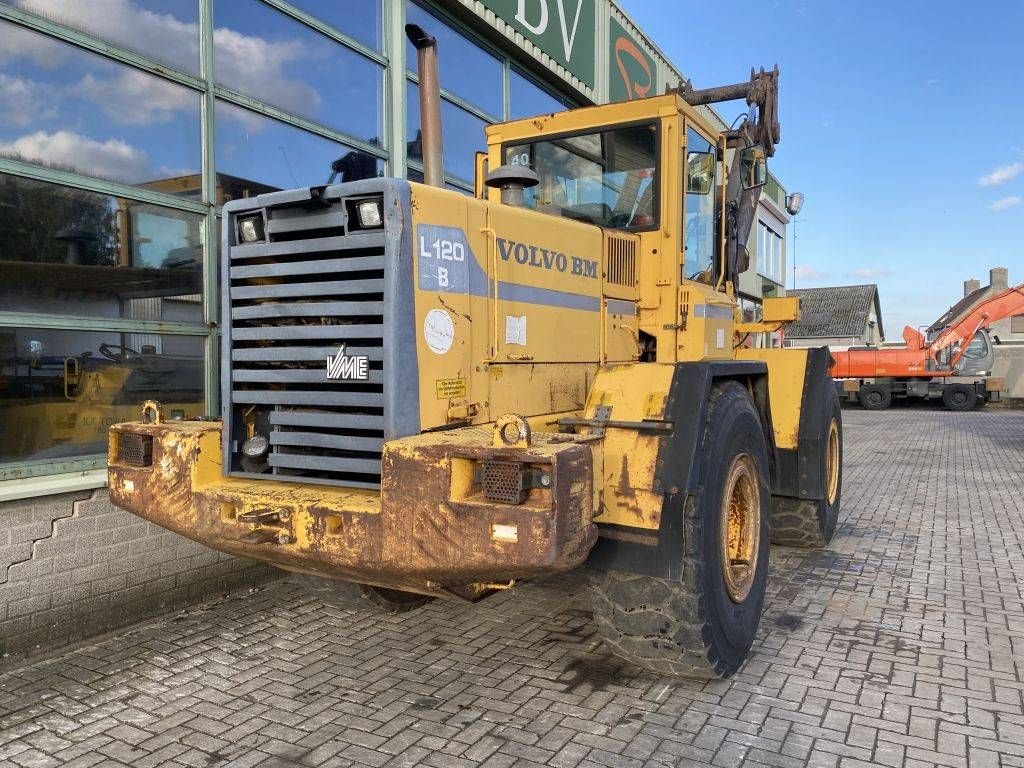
(563, 29)
(632, 73)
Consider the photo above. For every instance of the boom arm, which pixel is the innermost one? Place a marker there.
(991, 310)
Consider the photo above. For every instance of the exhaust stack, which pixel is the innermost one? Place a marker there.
(430, 104)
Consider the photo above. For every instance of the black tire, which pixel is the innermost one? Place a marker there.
(959, 397)
(350, 596)
(694, 627)
(874, 397)
(812, 522)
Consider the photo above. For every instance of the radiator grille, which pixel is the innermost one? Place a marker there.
(621, 261)
(294, 300)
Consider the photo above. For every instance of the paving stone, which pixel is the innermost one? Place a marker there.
(898, 645)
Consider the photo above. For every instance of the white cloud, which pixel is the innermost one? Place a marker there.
(1005, 202)
(18, 42)
(247, 63)
(124, 23)
(870, 273)
(1001, 175)
(809, 273)
(113, 159)
(25, 102)
(135, 98)
(256, 66)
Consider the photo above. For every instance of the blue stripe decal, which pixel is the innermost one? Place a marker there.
(530, 295)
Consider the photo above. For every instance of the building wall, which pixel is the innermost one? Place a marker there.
(1009, 366)
(834, 342)
(72, 565)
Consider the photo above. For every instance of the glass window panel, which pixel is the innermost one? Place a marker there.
(256, 154)
(463, 135)
(164, 30)
(269, 56)
(527, 99)
(67, 251)
(606, 178)
(466, 70)
(70, 110)
(699, 218)
(61, 390)
(359, 19)
(415, 174)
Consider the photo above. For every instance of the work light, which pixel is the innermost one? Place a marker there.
(369, 214)
(250, 229)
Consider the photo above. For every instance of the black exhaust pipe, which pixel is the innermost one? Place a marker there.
(430, 104)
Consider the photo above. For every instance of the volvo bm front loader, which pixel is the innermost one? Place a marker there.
(426, 394)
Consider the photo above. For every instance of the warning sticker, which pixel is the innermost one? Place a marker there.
(515, 330)
(449, 388)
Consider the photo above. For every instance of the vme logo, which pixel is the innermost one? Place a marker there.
(343, 367)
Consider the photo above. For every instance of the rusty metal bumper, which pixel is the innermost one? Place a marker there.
(430, 528)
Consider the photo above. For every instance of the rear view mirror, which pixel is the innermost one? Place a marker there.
(700, 172)
(753, 167)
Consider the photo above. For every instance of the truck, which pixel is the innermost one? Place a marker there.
(955, 365)
(428, 395)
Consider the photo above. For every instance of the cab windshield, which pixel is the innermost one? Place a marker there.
(608, 178)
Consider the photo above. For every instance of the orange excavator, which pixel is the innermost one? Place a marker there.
(956, 364)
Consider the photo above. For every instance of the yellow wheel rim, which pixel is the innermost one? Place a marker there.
(832, 463)
(741, 527)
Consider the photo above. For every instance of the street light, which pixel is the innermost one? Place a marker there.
(795, 220)
(794, 202)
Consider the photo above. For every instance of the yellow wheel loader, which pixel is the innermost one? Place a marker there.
(427, 394)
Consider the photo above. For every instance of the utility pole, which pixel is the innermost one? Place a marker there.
(795, 220)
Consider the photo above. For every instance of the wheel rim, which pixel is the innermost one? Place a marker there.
(874, 398)
(959, 397)
(741, 527)
(832, 462)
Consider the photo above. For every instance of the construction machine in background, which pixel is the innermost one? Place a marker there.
(954, 366)
(426, 394)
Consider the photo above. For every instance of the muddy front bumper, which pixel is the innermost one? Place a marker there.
(434, 527)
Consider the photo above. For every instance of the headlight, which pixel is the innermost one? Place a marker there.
(369, 214)
(250, 229)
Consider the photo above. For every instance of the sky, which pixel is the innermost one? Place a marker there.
(902, 124)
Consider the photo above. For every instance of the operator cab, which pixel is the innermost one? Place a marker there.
(614, 166)
(977, 360)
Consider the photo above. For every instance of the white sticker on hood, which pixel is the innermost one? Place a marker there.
(439, 331)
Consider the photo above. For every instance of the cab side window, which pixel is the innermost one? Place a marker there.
(699, 209)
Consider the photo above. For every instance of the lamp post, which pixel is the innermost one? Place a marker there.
(794, 202)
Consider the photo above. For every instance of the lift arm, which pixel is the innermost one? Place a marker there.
(991, 310)
(760, 127)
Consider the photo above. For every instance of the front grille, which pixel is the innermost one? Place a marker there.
(293, 301)
(135, 450)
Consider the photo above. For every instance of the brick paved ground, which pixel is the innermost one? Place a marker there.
(902, 644)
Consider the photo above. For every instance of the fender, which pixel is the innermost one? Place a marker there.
(677, 474)
(799, 470)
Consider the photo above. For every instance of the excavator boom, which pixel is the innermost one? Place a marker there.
(990, 310)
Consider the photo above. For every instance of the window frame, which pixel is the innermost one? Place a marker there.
(656, 181)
